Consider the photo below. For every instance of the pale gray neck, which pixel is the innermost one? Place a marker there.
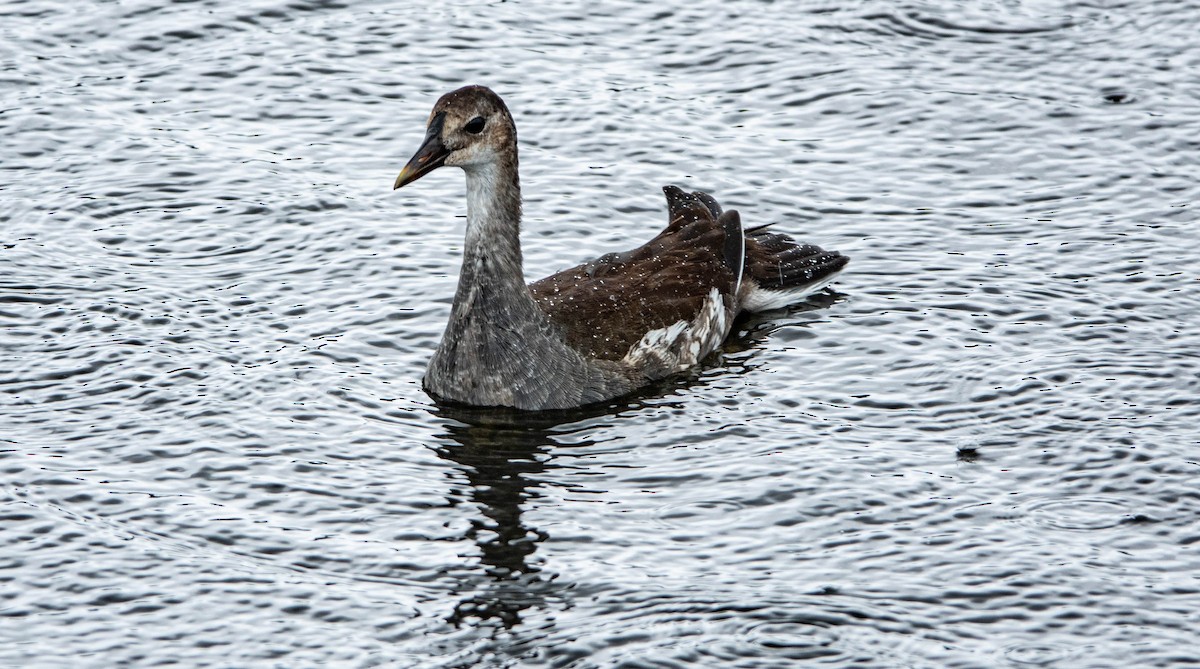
(491, 284)
(494, 223)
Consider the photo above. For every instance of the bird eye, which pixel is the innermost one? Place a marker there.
(475, 125)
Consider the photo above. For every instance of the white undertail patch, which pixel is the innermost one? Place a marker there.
(757, 298)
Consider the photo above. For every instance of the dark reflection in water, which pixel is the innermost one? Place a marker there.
(501, 463)
(503, 453)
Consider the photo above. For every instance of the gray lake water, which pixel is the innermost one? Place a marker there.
(981, 451)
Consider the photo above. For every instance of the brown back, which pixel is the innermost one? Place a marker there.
(605, 306)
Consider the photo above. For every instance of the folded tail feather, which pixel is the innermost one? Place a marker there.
(783, 272)
(774, 270)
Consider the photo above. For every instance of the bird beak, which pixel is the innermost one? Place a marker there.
(429, 157)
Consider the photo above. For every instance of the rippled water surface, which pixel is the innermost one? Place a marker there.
(981, 451)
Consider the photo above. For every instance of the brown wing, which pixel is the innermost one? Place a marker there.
(605, 306)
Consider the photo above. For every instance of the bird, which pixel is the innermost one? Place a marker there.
(604, 328)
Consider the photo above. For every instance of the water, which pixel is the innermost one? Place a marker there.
(981, 452)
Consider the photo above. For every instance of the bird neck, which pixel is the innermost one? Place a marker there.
(491, 285)
(493, 239)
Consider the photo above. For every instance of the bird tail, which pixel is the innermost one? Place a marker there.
(780, 272)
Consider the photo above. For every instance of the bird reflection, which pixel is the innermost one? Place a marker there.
(505, 453)
(502, 453)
